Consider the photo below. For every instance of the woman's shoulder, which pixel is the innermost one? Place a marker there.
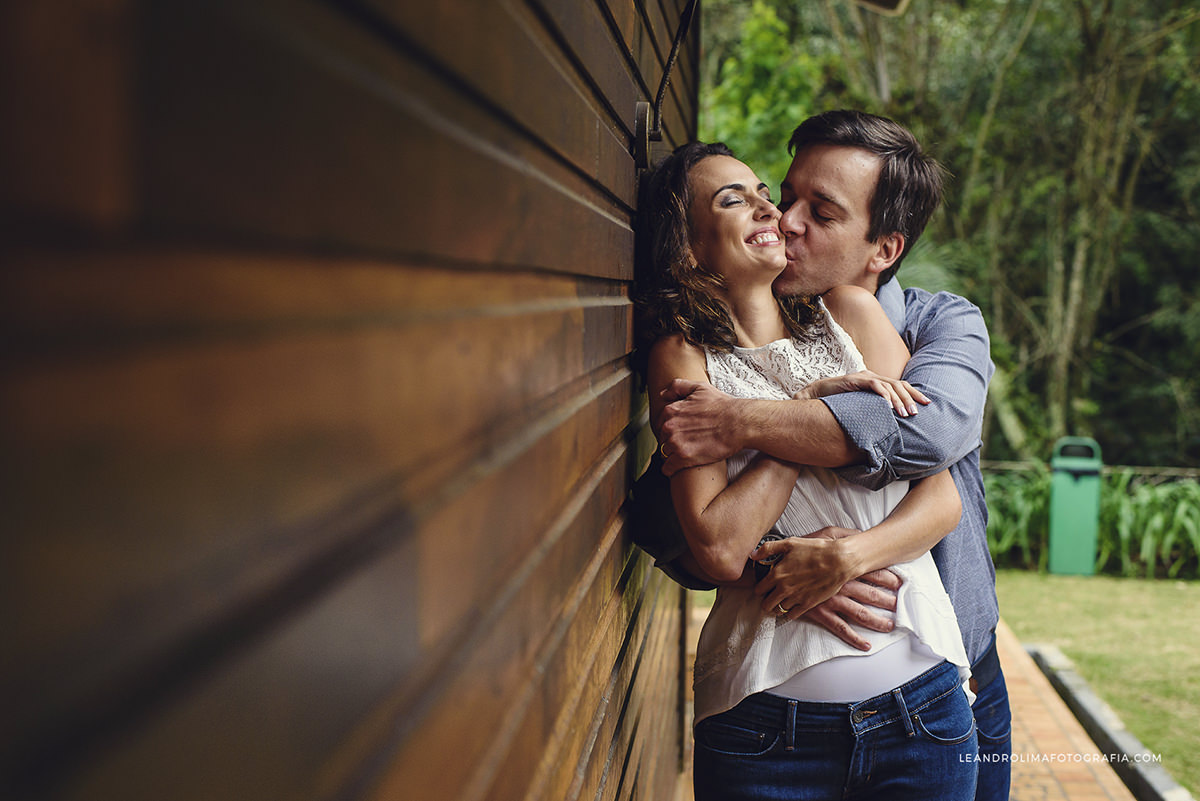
(851, 300)
(861, 317)
(674, 345)
(673, 352)
(854, 308)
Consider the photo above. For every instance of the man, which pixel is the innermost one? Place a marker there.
(856, 198)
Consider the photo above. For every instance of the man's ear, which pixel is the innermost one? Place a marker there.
(888, 249)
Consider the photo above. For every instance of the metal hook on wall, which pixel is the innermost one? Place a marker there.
(644, 132)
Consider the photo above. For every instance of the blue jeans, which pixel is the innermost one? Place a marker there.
(916, 742)
(993, 725)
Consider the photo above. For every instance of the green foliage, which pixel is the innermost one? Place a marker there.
(1145, 529)
(937, 268)
(1073, 214)
(762, 91)
(1018, 516)
(1149, 529)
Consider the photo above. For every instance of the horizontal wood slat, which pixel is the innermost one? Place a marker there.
(647, 40)
(317, 419)
(314, 412)
(346, 144)
(582, 673)
(491, 728)
(303, 690)
(520, 69)
(66, 98)
(610, 772)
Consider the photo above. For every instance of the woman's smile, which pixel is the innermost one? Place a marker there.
(766, 237)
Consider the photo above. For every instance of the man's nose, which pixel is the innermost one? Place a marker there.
(791, 222)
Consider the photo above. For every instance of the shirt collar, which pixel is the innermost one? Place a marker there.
(891, 298)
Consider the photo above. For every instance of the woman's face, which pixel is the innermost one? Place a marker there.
(734, 225)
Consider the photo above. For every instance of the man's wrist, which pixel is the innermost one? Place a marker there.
(742, 423)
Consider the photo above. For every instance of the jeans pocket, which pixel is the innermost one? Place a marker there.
(736, 739)
(993, 723)
(992, 739)
(948, 720)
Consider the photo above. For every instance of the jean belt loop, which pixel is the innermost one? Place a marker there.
(908, 726)
(790, 737)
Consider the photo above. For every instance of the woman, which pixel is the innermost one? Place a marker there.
(783, 708)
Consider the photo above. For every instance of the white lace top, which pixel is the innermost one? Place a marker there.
(743, 650)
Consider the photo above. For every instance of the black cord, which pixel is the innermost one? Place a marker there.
(685, 22)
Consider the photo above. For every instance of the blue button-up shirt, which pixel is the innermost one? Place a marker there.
(951, 363)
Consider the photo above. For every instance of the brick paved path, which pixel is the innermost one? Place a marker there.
(1058, 761)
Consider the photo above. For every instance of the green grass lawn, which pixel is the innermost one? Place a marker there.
(1135, 641)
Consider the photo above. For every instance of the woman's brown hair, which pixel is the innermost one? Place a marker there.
(674, 294)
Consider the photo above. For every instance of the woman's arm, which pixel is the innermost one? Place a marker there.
(930, 510)
(722, 521)
(858, 312)
(932, 507)
(812, 569)
(702, 424)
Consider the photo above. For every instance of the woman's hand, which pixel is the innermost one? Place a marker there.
(805, 571)
(796, 588)
(902, 395)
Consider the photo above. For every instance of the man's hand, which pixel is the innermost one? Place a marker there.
(698, 425)
(813, 579)
(857, 602)
(809, 570)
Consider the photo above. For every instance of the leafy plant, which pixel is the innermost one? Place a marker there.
(1149, 529)
(763, 89)
(1018, 516)
(1144, 528)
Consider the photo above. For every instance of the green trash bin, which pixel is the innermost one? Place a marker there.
(1074, 505)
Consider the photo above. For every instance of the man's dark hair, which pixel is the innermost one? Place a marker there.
(910, 180)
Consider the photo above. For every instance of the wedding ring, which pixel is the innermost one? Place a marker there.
(782, 611)
(663, 452)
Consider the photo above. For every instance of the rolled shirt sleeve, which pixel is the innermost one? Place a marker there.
(951, 364)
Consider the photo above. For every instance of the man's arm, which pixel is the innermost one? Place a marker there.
(951, 363)
(700, 424)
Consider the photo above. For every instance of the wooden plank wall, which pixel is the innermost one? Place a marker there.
(317, 418)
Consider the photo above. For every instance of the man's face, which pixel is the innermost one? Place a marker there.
(825, 200)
